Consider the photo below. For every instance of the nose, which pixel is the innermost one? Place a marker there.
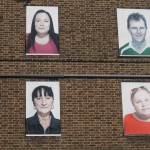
(43, 101)
(41, 23)
(144, 103)
(138, 30)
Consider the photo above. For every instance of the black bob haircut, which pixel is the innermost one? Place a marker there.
(38, 92)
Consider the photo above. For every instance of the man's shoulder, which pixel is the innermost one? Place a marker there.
(125, 47)
(147, 49)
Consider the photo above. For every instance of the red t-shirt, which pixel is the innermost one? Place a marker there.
(134, 126)
(49, 48)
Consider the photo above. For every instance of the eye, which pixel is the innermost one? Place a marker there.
(37, 20)
(138, 102)
(48, 97)
(38, 98)
(46, 21)
(142, 28)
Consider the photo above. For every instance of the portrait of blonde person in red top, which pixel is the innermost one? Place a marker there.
(138, 122)
(42, 39)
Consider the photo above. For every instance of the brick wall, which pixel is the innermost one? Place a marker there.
(91, 108)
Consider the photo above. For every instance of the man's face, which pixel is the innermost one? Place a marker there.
(137, 30)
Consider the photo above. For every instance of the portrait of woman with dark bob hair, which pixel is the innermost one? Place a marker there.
(138, 121)
(42, 38)
(43, 121)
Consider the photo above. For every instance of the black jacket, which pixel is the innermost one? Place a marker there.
(33, 126)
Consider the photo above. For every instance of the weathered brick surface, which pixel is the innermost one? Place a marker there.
(91, 108)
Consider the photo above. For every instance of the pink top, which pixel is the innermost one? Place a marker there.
(49, 48)
(134, 126)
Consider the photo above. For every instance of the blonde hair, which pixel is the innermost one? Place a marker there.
(135, 90)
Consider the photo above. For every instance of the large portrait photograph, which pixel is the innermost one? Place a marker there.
(42, 108)
(42, 31)
(133, 32)
(136, 108)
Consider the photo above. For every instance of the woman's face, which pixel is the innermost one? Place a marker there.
(42, 23)
(43, 103)
(141, 103)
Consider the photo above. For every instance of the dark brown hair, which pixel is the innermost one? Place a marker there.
(38, 92)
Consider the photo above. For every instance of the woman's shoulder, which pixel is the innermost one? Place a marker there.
(29, 120)
(56, 121)
(27, 36)
(32, 120)
(55, 35)
(130, 118)
(56, 125)
(128, 115)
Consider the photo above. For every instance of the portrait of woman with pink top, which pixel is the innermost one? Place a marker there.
(137, 121)
(42, 38)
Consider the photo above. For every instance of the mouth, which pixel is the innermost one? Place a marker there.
(41, 28)
(44, 107)
(139, 36)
